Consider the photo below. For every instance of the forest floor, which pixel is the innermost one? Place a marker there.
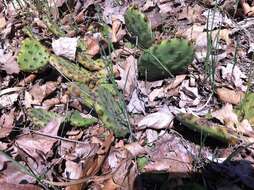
(78, 112)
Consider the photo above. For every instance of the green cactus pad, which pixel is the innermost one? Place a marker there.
(168, 57)
(104, 101)
(139, 26)
(246, 108)
(72, 70)
(32, 56)
(40, 117)
(76, 120)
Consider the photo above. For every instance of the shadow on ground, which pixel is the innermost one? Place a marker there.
(231, 175)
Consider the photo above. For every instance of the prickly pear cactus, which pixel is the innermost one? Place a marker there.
(32, 56)
(73, 71)
(246, 108)
(76, 120)
(40, 117)
(106, 106)
(139, 26)
(169, 57)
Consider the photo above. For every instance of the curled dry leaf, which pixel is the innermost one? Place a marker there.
(39, 146)
(229, 96)
(247, 9)
(158, 120)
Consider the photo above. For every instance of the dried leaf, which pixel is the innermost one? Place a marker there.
(229, 96)
(6, 124)
(227, 116)
(40, 92)
(9, 186)
(8, 63)
(92, 45)
(128, 74)
(65, 46)
(159, 120)
(135, 149)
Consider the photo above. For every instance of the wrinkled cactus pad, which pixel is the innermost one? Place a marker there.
(32, 56)
(139, 26)
(169, 57)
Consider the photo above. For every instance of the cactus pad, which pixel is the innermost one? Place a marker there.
(76, 120)
(40, 117)
(72, 70)
(170, 56)
(32, 56)
(246, 108)
(139, 26)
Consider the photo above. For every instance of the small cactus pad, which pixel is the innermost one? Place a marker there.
(246, 108)
(75, 119)
(40, 117)
(168, 57)
(71, 70)
(32, 56)
(139, 26)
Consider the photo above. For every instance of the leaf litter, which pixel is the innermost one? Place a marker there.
(177, 127)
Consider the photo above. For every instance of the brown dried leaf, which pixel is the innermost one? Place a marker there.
(92, 45)
(170, 154)
(39, 146)
(117, 31)
(6, 124)
(229, 96)
(39, 92)
(9, 186)
(135, 149)
(227, 116)
(13, 175)
(2, 22)
(128, 74)
(8, 63)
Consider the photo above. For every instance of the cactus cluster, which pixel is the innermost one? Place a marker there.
(32, 56)
(139, 26)
(157, 61)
